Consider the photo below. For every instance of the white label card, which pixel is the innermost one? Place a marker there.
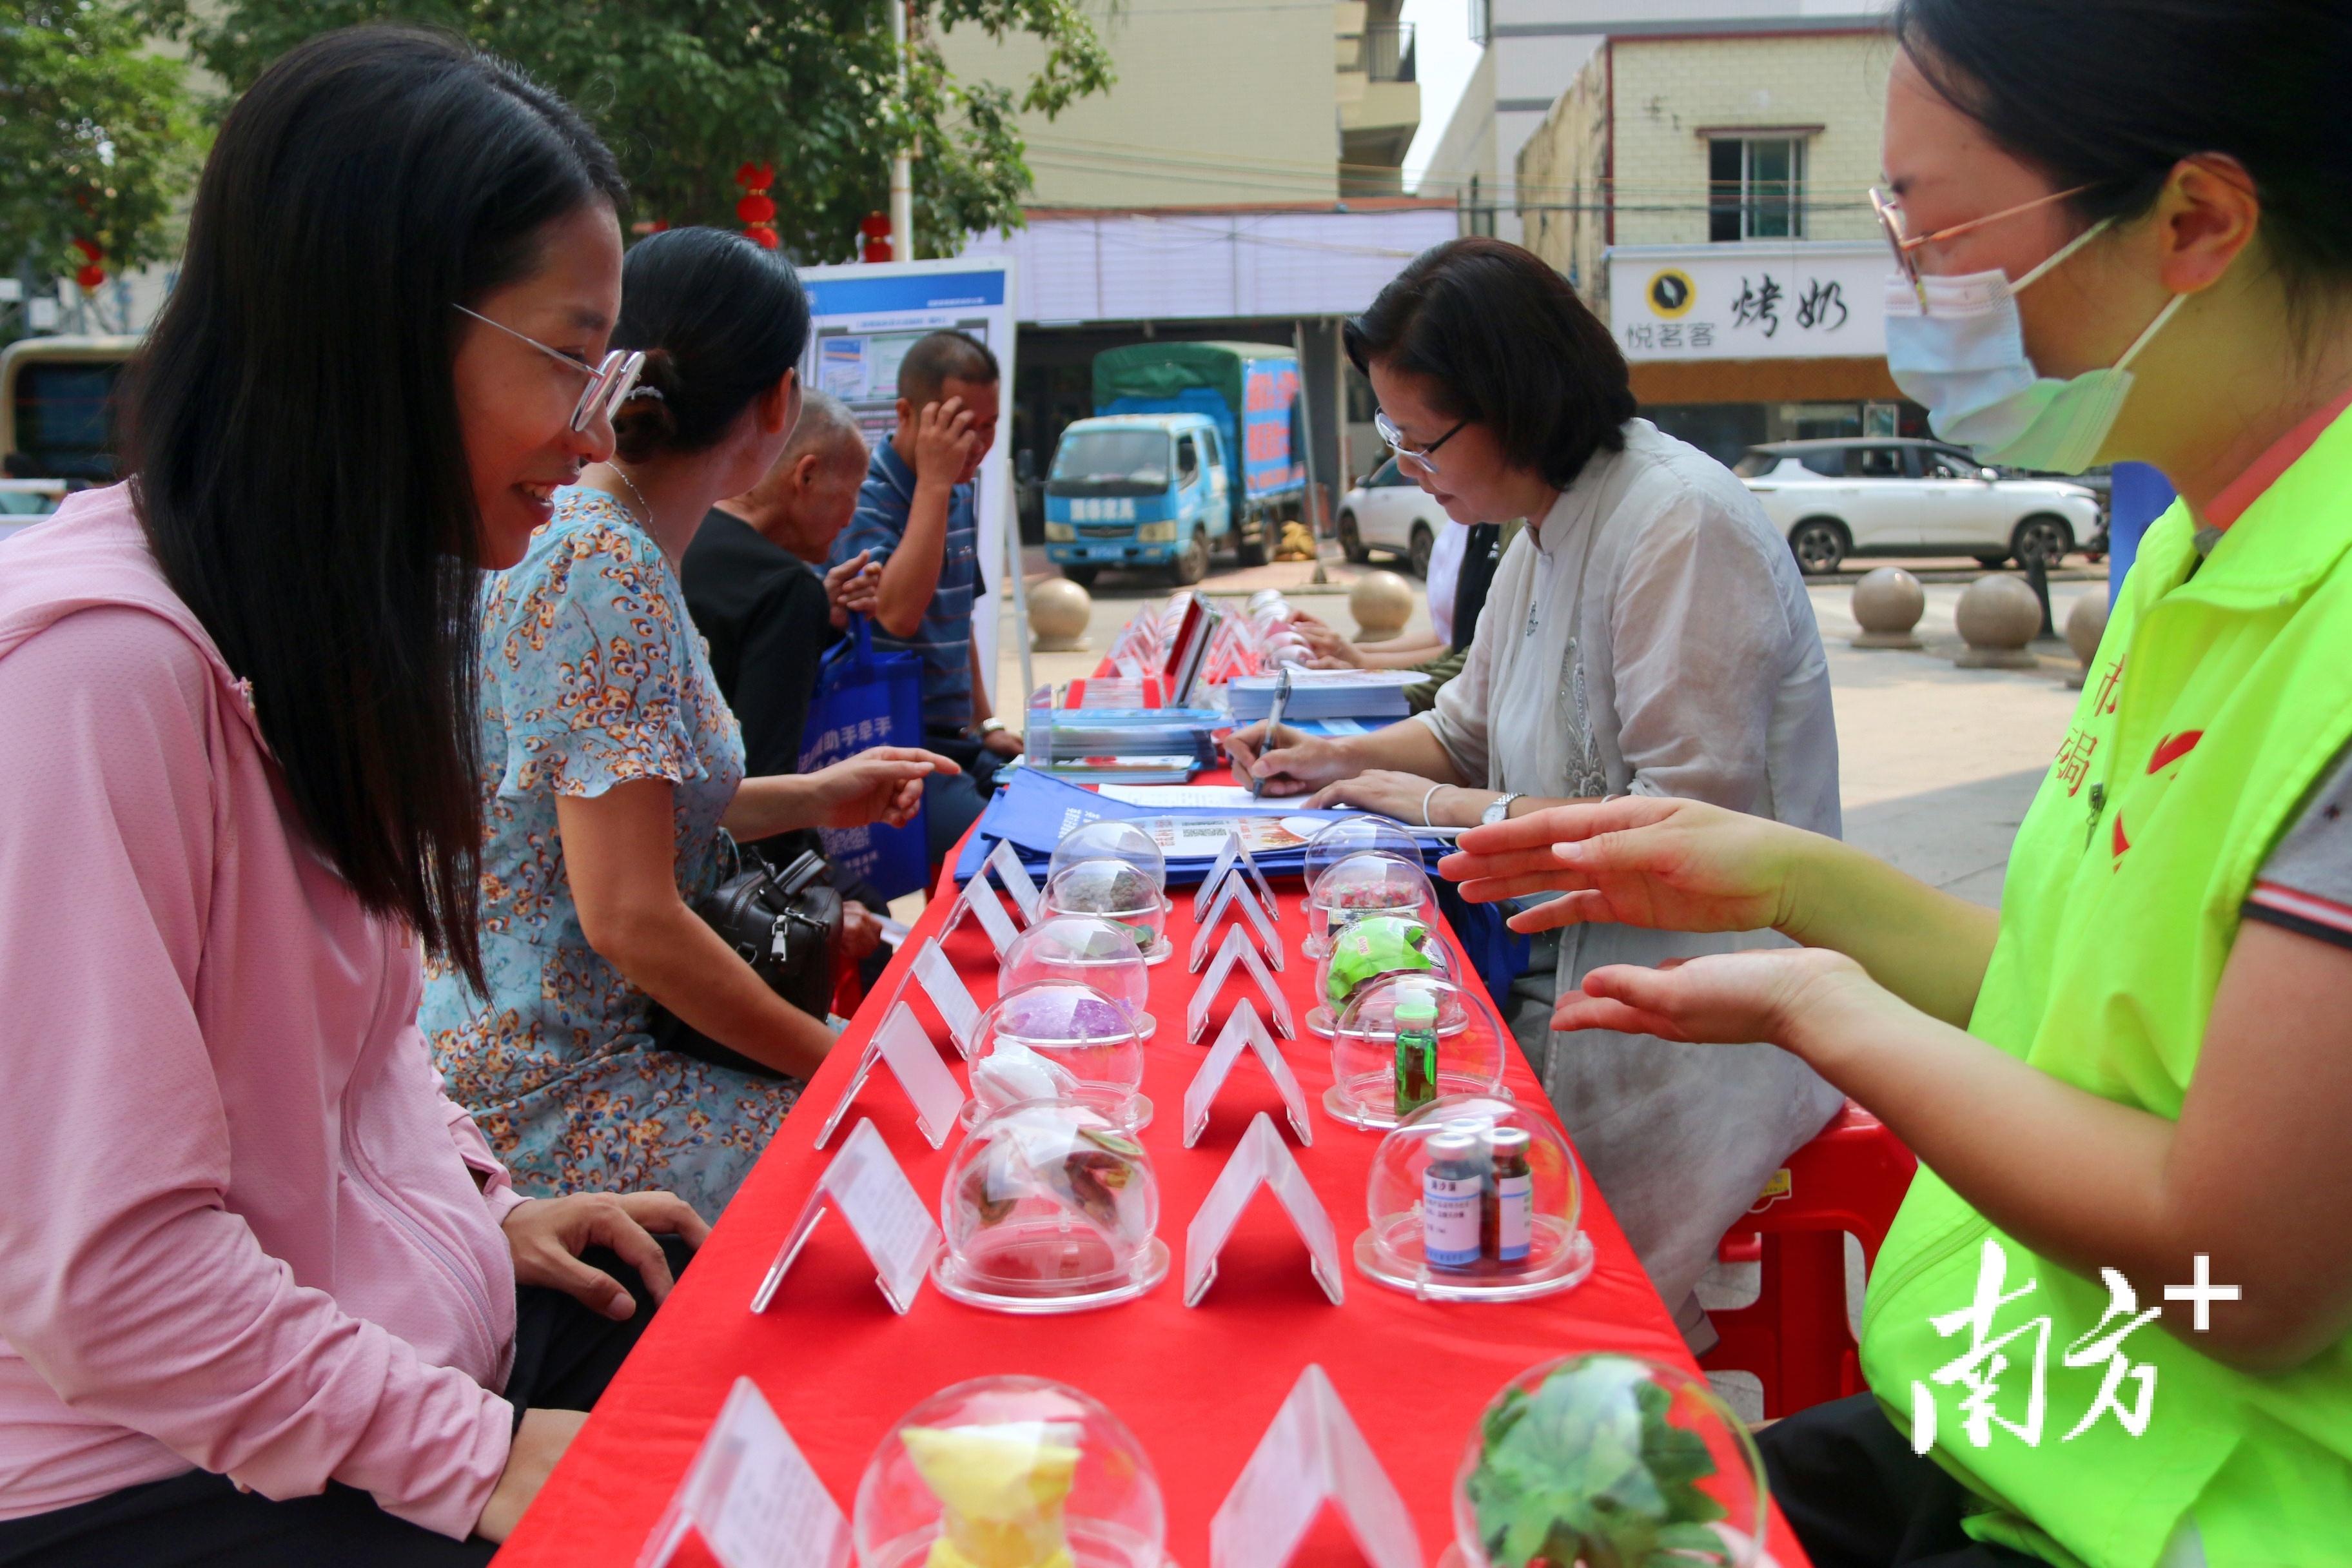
(950, 995)
(1236, 948)
(1313, 1454)
(1262, 1159)
(982, 901)
(1243, 1027)
(914, 1061)
(1236, 895)
(864, 1183)
(1005, 861)
(753, 1497)
(1235, 853)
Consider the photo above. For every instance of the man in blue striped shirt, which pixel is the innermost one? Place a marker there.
(916, 520)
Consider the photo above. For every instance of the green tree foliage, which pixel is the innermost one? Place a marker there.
(96, 136)
(687, 91)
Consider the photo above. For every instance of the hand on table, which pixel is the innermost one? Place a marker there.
(1639, 860)
(1793, 996)
(1331, 650)
(853, 588)
(1390, 793)
(883, 785)
(546, 1237)
(1296, 764)
(539, 1441)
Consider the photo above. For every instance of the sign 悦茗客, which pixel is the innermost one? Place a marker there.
(1806, 299)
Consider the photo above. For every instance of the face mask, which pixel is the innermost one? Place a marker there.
(1964, 358)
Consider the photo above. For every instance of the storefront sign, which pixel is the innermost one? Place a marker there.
(1809, 300)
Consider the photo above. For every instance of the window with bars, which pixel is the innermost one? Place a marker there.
(1756, 188)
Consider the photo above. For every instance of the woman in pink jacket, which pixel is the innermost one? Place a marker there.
(265, 1295)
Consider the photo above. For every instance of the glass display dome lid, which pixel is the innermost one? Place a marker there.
(1404, 1040)
(1474, 1197)
(1009, 1472)
(1371, 949)
(1107, 840)
(1088, 948)
(1366, 833)
(1368, 882)
(1116, 890)
(1058, 1039)
(1608, 1457)
(1049, 1206)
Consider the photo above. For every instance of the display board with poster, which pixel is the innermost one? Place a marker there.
(863, 317)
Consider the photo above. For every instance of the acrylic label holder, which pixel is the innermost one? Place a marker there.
(1313, 1454)
(751, 1496)
(1237, 947)
(1005, 861)
(1234, 855)
(949, 994)
(1262, 1159)
(899, 1237)
(1236, 895)
(914, 1061)
(978, 899)
(1245, 1027)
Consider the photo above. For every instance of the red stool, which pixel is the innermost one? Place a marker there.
(1849, 1180)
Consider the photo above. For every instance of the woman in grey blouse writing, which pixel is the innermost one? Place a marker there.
(1647, 634)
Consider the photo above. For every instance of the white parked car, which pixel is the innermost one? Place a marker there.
(1388, 511)
(1885, 496)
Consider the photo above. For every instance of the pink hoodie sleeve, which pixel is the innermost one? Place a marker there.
(498, 1184)
(124, 1281)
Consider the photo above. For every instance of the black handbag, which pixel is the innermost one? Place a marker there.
(785, 925)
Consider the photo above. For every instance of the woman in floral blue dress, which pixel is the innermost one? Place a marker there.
(612, 775)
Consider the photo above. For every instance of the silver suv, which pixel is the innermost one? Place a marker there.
(1898, 495)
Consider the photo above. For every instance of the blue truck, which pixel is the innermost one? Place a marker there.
(1192, 447)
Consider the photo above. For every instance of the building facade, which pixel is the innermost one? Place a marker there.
(1707, 194)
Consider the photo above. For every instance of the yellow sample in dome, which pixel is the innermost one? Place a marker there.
(1001, 1487)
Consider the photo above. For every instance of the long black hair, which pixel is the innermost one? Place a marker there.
(720, 320)
(292, 430)
(1508, 345)
(2113, 93)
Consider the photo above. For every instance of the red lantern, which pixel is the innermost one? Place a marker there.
(756, 209)
(875, 230)
(90, 276)
(761, 235)
(90, 249)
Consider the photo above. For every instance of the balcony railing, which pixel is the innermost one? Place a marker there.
(1385, 53)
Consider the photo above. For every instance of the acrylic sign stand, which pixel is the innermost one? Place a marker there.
(1237, 948)
(1245, 1027)
(949, 994)
(864, 1183)
(1005, 861)
(1313, 1454)
(914, 1061)
(1236, 895)
(1263, 1159)
(753, 1497)
(976, 898)
(1234, 856)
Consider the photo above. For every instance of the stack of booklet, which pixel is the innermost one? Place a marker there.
(1326, 694)
(1133, 745)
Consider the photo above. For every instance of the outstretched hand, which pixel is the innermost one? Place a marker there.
(883, 784)
(1793, 996)
(1637, 861)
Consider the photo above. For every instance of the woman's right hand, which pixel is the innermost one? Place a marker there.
(1638, 861)
(1331, 650)
(539, 1441)
(883, 784)
(1296, 764)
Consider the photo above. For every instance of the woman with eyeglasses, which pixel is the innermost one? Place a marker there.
(265, 1295)
(612, 775)
(2109, 1325)
(1647, 635)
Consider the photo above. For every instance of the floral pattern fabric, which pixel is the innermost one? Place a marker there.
(593, 674)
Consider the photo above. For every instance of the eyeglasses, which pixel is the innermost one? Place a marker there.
(1890, 221)
(609, 381)
(1422, 457)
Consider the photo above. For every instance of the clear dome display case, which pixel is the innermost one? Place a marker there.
(1118, 892)
(1608, 1457)
(1406, 1039)
(1109, 840)
(1058, 1039)
(1367, 883)
(1086, 948)
(1049, 1208)
(1368, 950)
(1009, 1472)
(1475, 1198)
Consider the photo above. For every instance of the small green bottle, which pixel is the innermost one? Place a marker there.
(1416, 1048)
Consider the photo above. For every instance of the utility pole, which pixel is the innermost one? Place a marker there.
(902, 172)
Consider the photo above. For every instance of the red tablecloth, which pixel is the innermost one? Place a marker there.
(1197, 1385)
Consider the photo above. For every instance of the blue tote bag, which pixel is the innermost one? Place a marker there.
(863, 700)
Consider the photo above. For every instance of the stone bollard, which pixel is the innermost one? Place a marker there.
(1887, 605)
(1382, 603)
(1998, 616)
(1058, 612)
(2087, 623)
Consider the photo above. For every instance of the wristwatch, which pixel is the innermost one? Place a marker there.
(991, 726)
(1496, 810)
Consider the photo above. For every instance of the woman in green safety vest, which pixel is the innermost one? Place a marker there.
(2110, 1324)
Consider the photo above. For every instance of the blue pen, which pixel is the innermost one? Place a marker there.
(1273, 725)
